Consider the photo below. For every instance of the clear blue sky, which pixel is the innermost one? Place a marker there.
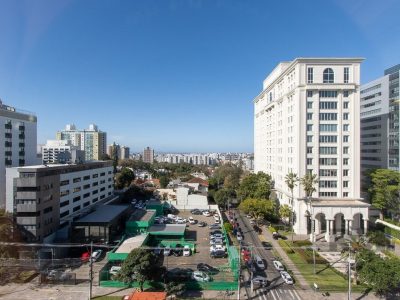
(174, 75)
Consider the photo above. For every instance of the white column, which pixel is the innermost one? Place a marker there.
(346, 224)
(317, 226)
(350, 227)
(328, 230)
(365, 226)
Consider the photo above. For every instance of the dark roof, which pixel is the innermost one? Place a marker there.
(103, 214)
(178, 229)
(142, 215)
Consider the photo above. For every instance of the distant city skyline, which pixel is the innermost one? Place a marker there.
(178, 76)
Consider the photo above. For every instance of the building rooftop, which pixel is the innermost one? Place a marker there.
(148, 296)
(142, 215)
(340, 202)
(168, 229)
(65, 168)
(103, 214)
(132, 243)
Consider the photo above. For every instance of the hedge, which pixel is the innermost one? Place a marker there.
(307, 256)
(285, 247)
(302, 243)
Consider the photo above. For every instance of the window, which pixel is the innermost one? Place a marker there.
(64, 182)
(328, 184)
(309, 116)
(327, 150)
(328, 105)
(345, 139)
(309, 93)
(327, 173)
(328, 116)
(76, 208)
(309, 104)
(78, 179)
(309, 138)
(87, 177)
(86, 186)
(48, 209)
(328, 127)
(76, 199)
(309, 150)
(346, 75)
(345, 94)
(86, 195)
(346, 127)
(95, 200)
(86, 204)
(309, 127)
(345, 161)
(328, 75)
(77, 189)
(64, 203)
(95, 183)
(345, 172)
(345, 150)
(346, 104)
(345, 184)
(328, 161)
(309, 161)
(345, 116)
(327, 94)
(64, 214)
(346, 194)
(95, 192)
(310, 75)
(102, 174)
(95, 175)
(328, 139)
(64, 193)
(328, 194)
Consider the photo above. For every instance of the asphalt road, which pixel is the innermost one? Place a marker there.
(277, 288)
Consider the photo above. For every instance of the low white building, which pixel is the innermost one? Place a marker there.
(185, 201)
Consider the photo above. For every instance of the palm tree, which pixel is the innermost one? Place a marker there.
(308, 182)
(291, 180)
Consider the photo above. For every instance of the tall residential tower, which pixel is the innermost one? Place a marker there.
(307, 120)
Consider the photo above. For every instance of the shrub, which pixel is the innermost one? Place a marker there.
(378, 238)
(302, 243)
(285, 247)
(307, 256)
(272, 229)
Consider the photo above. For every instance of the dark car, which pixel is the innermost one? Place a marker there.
(215, 232)
(257, 229)
(202, 224)
(178, 251)
(266, 245)
(218, 254)
(275, 235)
(196, 212)
(207, 269)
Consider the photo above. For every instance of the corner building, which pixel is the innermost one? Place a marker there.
(307, 120)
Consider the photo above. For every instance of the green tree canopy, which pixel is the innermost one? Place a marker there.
(124, 178)
(308, 182)
(259, 209)
(255, 186)
(222, 196)
(140, 265)
(385, 190)
(164, 180)
(285, 211)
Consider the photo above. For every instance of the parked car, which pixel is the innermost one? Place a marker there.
(192, 221)
(186, 251)
(217, 248)
(200, 276)
(275, 235)
(207, 268)
(260, 281)
(206, 213)
(96, 255)
(215, 226)
(202, 224)
(216, 242)
(218, 254)
(259, 263)
(266, 245)
(115, 269)
(217, 236)
(167, 251)
(179, 274)
(196, 212)
(239, 236)
(215, 232)
(246, 255)
(286, 277)
(216, 216)
(217, 221)
(278, 265)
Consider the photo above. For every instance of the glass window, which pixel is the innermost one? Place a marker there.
(345, 139)
(345, 94)
(309, 161)
(345, 116)
(346, 104)
(309, 138)
(309, 127)
(328, 127)
(345, 150)
(346, 75)
(309, 149)
(345, 184)
(309, 116)
(345, 172)
(309, 104)
(346, 127)
(345, 161)
(310, 75)
(309, 93)
(328, 75)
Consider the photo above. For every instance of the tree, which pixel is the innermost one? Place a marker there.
(105, 156)
(263, 189)
(140, 265)
(285, 211)
(291, 180)
(228, 227)
(255, 186)
(385, 189)
(221, 197)
(164, 181)
(259, 208)
(175, 288)
(125, 178)
(308, 182)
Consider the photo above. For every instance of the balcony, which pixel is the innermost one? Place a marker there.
(27, 207)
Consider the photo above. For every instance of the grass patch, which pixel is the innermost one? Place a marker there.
(326, 278)
(285, 246)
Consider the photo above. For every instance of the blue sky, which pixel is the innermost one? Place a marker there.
(174, 75)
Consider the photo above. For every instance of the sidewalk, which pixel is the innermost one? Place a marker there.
(302, 283)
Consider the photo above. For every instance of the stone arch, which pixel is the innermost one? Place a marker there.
(339, 224)
(357, 227)
(320, 223)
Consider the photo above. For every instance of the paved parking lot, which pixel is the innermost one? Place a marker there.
(200, 235)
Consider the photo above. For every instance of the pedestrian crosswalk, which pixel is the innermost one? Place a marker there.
(278, 294)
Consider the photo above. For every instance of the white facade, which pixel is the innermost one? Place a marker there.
(307, 120)
(184, 200)
(18, 140)
(61, 151)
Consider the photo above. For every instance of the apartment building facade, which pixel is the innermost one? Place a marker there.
(18, 140)
(44, 197)
(91, 140)
(307, 120)
(61, 152)
(148, 155)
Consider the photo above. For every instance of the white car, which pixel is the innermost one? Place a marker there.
(239, 236)
(216, 241)
(216, 217)
(286, 277)
(186, 251)
(206, 213)
(167, 251)
(217, 236)
(217, 248)
(192, 221)
(278, 265)
(259, 263)
(96, 255)
(200, 276)
(114, 270)
(260, 281)
(217, 221)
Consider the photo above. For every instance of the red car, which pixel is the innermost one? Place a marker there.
(85, 256)
(246, 255)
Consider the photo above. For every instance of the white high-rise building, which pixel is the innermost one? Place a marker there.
(61, 152)
(307, 120)
(18, 140)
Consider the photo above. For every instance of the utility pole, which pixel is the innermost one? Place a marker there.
(349, 295)
(90, 270)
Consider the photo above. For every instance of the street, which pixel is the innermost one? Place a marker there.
(277, 288)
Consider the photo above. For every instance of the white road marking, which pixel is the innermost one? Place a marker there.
(273, 294)
(291, 294)
(297, 295)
